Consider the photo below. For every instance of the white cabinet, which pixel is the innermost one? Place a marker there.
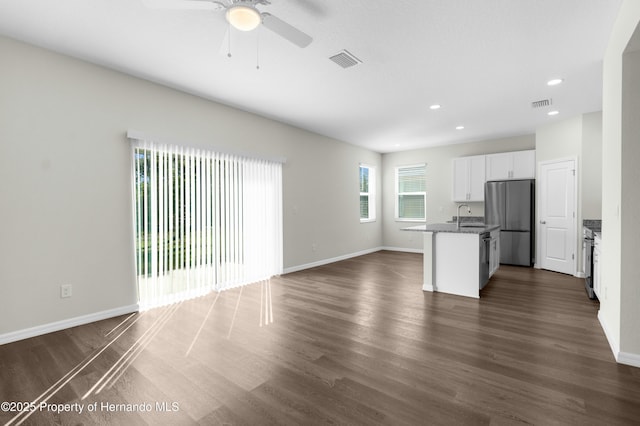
(471, 173)
(524, 165)
(596, 266)
(469, 178)
(453, 261)
(511, 165)
(498, 166)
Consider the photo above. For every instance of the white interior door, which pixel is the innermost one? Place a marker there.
(557, 216)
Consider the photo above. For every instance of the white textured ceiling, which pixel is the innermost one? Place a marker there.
(484, 61)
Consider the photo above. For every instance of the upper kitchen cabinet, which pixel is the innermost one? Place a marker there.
(511, 165)
(469, 178)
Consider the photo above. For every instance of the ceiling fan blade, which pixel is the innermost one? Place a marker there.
(285, 30)
(183, 4)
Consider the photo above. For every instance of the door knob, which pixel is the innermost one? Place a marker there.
(544, 222)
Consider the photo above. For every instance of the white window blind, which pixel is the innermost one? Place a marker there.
(411, 195)
(203, 221)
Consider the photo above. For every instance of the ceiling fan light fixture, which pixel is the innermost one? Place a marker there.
(244, 18)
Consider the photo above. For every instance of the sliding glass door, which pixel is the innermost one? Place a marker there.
(203, 221)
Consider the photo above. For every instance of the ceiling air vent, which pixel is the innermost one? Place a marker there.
(345, 59)
(541, 103)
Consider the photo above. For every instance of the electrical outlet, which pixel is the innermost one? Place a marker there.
(65, 291)
(314, 247)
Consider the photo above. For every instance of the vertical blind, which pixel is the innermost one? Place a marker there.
(203, 221)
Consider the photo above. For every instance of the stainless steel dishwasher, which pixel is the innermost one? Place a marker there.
(485, 250)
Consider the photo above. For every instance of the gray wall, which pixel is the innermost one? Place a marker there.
(65, 181)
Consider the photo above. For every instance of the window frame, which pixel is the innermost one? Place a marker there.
(371, 193)
(398, 193)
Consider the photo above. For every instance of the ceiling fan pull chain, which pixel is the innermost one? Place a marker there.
(229, 40)
(258, 49)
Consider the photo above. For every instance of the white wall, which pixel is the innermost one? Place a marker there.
(559, 139)
(578, 137)
(440, 208)
(65, 181)
(591, 166)
(619, 313)
(562, 139)
(630, 205)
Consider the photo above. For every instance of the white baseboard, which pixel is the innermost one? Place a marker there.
(67, 323)
(407, 250)
(626, 358)
(629, 359)
(613, 343)
(578, 274)
(330, 260)
(345, 257)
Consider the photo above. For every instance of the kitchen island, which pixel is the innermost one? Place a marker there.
(459, 259)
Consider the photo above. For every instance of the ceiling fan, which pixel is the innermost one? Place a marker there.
(241, 14)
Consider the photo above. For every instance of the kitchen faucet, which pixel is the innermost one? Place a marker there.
(458, 217)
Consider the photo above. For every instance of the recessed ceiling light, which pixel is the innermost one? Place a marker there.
(459, 127)
(554, 82)
(435, 106)
(553, 113)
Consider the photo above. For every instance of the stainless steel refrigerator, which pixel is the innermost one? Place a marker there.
(510, 204)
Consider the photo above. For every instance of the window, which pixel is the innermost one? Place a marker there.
(203, 221)
(411, 195)
(367, 193)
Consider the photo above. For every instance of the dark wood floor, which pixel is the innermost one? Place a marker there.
(354, 342)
